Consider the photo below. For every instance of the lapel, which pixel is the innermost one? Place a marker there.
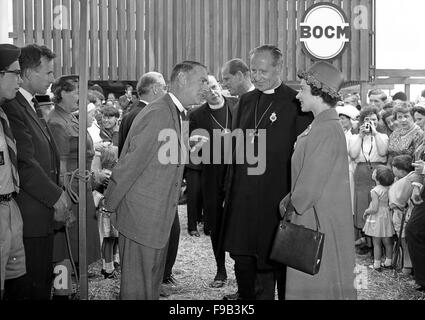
(176, 118)
(30, 111)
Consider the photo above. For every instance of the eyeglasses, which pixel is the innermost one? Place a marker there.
(18, 73)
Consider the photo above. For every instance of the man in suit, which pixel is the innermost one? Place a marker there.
(213, 117)
(145, 185)
(236, 77)
(127, 100)
(150, 87)
(41, 199)
(12, 254)
(271, 120)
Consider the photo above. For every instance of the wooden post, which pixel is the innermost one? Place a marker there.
(364, 89)
(83, 72)
(407, 91)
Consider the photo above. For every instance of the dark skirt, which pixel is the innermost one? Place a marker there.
(60, 251)
(363, 183)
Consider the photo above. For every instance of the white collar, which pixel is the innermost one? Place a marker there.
(177, 102)
(218, 106)
(28, 96)
(144, 101)
(252, 88)
(271, 91)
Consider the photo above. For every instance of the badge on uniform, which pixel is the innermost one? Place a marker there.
(1, 158)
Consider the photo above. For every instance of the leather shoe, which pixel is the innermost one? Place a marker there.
(170, 281)
(233, 296)
(217, 284)
(194, 234)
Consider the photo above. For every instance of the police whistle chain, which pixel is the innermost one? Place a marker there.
(68, 179)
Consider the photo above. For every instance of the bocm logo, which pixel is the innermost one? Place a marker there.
(325, 31)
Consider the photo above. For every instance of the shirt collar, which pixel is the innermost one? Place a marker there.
(177, 102)
(28, 96)
(252, 88)
(144, 101)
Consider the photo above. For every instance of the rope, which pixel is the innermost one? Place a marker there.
(68, 179)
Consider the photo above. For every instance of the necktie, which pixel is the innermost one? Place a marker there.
(11, 147)
(40, 116)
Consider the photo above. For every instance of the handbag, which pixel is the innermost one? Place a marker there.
(297, 246)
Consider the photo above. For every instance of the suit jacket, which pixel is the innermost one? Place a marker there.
(38, 167)
(126, 123)
(143, 190)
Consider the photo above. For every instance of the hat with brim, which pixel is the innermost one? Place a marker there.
(8, 55)
(348, 110)
(324, 76)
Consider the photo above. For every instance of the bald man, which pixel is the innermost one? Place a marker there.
(150, 87)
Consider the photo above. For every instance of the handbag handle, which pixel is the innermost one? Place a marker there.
(315, 215)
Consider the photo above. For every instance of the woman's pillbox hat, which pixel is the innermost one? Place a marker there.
(324, 76)
(8, 55)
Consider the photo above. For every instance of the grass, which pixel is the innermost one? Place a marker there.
(195, 269)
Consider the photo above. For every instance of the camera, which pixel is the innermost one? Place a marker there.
(367, 126)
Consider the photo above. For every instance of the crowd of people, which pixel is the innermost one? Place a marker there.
(358, 166)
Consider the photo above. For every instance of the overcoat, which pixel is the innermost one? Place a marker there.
(251, 212)
(143, 189)
(320, 180)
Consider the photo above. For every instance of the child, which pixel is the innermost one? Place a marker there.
(108, 234)
(378, 223)
(400, 203)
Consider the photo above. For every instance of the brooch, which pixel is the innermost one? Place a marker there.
(273, 117)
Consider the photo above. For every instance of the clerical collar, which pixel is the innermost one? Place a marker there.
(217, 107)
(252, 88)
(177, 102)
(271, 91)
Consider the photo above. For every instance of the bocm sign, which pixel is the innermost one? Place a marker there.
(325, 31)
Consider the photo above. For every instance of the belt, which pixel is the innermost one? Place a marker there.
(8, 197)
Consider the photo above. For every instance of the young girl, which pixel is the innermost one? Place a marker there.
(378, 223)
(400, 203)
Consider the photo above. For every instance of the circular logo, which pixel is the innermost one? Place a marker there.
(325, 31)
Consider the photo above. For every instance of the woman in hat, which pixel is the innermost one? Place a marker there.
(320, 182)
(65, 129)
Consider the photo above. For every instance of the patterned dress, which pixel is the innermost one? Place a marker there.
(405, 141)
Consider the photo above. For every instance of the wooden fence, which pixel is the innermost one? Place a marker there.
(130, 37)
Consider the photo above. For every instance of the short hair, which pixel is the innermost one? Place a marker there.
(384, 115)
(185, 66)
(64, 83)
(236, 65)
(331, 101)
(275, 52)
(402, 107)
(400, 96)
(367, 111)
(384, 175)
(109, 111)
(378, 92)
(418, 110)
(146, 82)
(403, 162)
(98, 88)
(128, 86)
(93, 96)
(31, 55)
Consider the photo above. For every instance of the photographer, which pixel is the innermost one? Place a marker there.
(368, 149)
